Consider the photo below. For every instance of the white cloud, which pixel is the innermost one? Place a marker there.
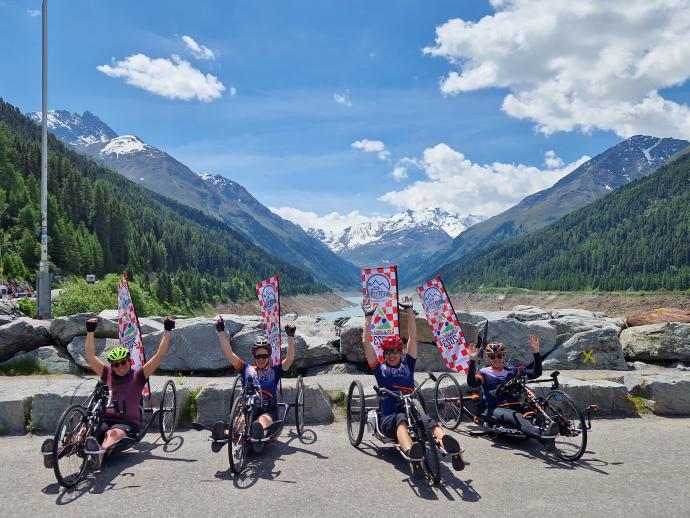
(33, 12)
(198, 51)
(333, 222)
(456, 184)
(400, 171)
(343, 98)
(372, 146)
(173, 78)
(580, 65)
(552, 161)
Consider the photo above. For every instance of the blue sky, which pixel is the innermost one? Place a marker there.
(495, 108)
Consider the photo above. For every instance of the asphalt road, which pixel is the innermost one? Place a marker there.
(633, 467)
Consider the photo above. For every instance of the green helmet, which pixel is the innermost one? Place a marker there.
(118, 353)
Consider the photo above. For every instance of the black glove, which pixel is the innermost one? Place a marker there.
(91, 325)
(290, 329)
(168, 324)
(220, 324)
(368, 309)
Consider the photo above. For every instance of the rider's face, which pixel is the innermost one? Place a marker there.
(120, 367)
(497, 360)
(265, 358)
(392, 359)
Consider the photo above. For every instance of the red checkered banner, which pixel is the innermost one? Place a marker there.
(128, 326)
(380, 286)
(444, 325)
(269, 302)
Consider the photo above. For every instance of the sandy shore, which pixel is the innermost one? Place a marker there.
(300, 304)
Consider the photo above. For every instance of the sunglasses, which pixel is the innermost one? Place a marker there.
(495, 356)
(122, 363)
(262, 356)
(391, 351)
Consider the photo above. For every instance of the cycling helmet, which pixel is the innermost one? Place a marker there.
(118, 353)
(261, 342)
(391, 343)
(495, 347)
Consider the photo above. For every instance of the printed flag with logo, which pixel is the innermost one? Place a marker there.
(128, 326)
(380, 286)
(444, 325)
(268, 293)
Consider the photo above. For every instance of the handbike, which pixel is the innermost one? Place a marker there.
(80, 421)
(245, 407)
(418, 424)
(556, 406)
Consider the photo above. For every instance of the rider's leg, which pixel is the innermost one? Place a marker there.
(513, 419)
(402, 433)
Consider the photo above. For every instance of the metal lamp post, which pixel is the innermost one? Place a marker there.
(44, 306)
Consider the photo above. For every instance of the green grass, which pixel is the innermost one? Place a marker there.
(639, 403)
(23, 367)
(337, 397)
(191, 408)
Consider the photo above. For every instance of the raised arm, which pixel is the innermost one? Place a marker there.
(94, 361)
(535, 371)
(152, 365)
(406, 304)
(369, 351)
(290, 332)
(473, 379)
(234, 360)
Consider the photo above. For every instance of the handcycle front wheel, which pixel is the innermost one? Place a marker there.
(571, 442)
(355, 413)
(69, 461)
(236, 387)
(299, 407)
(237, 437)
(432, 463)
(167, 412)
(448, 401)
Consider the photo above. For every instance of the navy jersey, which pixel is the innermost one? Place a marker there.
(400, 378)
(489, 379)
(267, 379)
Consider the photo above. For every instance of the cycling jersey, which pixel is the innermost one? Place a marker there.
(125, 396)
(400, 378)
(490, 379)
(267, 379)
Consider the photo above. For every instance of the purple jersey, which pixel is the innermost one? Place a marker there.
(125, 396)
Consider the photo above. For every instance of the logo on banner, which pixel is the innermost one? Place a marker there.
(269, 297)
(433, 299)
(378, 287)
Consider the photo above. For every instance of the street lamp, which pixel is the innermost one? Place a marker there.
(44, 308)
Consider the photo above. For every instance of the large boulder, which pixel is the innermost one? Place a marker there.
(23, 334)
(568, 325)
(77, 347)
(351, 340)
(64, 329)
(594, 349)
(515, 335)
(528, 313)
(10, 308)
(316, 342)
(657, 342)
(334, 368)
(666, 394)
(194, 347)
(659, 316)
(611, 398)
(54, 360)
(14, 411)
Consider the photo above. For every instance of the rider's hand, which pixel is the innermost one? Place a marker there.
(290, 329)
(168, 324)
(472, 351)
(220, 324)
(368, 308)
(534, 343)
(91, 325)
(406, 302)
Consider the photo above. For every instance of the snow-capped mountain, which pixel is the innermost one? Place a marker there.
(156, 170)
(76, 129)
(404, 238)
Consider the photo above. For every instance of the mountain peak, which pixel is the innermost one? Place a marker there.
(123, 145)
(76, 129)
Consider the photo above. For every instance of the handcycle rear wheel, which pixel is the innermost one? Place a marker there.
(432, 464)
(69, 461)
(299, 407)
(237, 435)
(572, 431)
(167, 413)
(236, 387)
(355, 413)
(448, 401)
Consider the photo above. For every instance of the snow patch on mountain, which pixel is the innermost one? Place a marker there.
(216, 180)
(380, 228)
(76, 129)
(124, 145)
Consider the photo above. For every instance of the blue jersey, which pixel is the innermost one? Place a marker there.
(400, 378)
(490, 379)
(267, 379)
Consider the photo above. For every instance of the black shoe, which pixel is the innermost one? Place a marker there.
(47, 452)
(257, 430)
(218, 434)
(416, 452)
(453, 449)
(548, 437)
